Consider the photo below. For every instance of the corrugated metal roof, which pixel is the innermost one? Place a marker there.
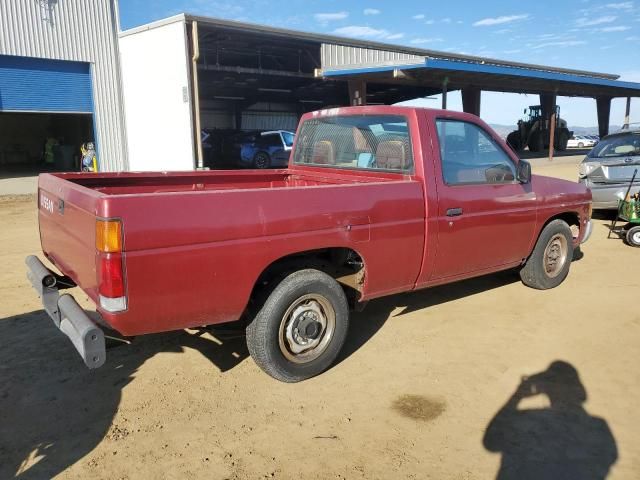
(350, 42)
(78, 30)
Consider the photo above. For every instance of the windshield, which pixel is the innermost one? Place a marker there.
(375, 142)
(627, 145)
(287, 137)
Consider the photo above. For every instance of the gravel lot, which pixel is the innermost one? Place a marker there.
(422, 378)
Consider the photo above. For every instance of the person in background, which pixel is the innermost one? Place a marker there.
(89, 161)
(48, 156)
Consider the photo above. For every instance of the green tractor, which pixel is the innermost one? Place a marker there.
(533, 131)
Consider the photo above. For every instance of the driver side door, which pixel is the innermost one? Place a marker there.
(485, 217)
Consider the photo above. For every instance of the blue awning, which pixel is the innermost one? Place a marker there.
(488, 76)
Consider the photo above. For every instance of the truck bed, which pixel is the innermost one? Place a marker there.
(195, 242)
(167, 182)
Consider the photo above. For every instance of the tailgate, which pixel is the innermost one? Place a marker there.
(66, 215)
(617, 171)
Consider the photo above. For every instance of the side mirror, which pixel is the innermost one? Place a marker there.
(524, 171)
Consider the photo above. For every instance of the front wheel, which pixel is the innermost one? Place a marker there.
(563, 140)
(548, 265)
(301, 327)
(261, 160)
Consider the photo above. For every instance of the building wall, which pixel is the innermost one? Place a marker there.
(334, 57)
(79, 30)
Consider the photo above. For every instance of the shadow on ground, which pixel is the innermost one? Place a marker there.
(43, 381)
(366, 324)
(562, 441)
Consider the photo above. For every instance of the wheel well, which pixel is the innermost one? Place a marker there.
(571, 218)
(343, 264)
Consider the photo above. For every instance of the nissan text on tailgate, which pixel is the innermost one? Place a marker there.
(376, 201)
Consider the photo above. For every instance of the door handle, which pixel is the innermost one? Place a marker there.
(454, 212)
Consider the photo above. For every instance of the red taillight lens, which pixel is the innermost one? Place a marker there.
(110, 275)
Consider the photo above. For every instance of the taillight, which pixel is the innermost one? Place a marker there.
(110, 275)
(110, 268)
(108, 236)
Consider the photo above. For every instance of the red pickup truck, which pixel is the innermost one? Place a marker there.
(376, 201)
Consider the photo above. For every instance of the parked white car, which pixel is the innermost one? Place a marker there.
(580, 141)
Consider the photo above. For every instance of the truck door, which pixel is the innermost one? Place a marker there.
(485, 217)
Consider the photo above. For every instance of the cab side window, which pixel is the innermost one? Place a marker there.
(469, 155)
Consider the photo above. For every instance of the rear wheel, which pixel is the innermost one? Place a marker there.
(548, 265)
(261, 160)
(536, 142)
(633, 236)
(301, 327)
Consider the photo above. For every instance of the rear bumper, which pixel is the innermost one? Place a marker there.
(85, 335)
(605, 197)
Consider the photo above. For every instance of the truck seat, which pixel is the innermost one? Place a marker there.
(391, 155)
(324, 153)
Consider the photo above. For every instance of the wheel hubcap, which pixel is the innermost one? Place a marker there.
(555, 255)
(306, 328)
(261, 161)
(635, 238)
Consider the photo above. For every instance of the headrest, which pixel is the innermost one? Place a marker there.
(391, 155)
(323, 153)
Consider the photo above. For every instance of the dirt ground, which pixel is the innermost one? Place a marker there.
(413, 396)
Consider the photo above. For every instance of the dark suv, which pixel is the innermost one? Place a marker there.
(267, 149)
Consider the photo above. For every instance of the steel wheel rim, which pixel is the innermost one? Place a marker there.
(555, 255)
(635, 237)
(294, 343)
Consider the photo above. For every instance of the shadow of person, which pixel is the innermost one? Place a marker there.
(53, 410)
(559, 442)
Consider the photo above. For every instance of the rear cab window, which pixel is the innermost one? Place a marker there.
(366, 142)
(470, 155)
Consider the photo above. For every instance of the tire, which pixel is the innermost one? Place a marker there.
(580, 145)
(261, 160)
(563, 140)
(276, 330)
(536, 142)
(549, 263)
(633, 236)
(513, 140)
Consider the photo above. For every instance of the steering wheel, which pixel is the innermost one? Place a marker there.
(499, 173)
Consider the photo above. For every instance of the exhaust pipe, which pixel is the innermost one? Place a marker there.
(40, 274)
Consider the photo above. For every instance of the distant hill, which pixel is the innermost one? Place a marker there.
(504, 130)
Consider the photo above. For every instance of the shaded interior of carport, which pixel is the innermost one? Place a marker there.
(254, 80)
(251, 77)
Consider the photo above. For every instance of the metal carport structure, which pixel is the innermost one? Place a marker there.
(440, 75)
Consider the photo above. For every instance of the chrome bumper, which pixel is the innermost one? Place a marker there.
(588, 229)
(87, 337)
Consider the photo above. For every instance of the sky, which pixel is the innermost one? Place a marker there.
(594, 35)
